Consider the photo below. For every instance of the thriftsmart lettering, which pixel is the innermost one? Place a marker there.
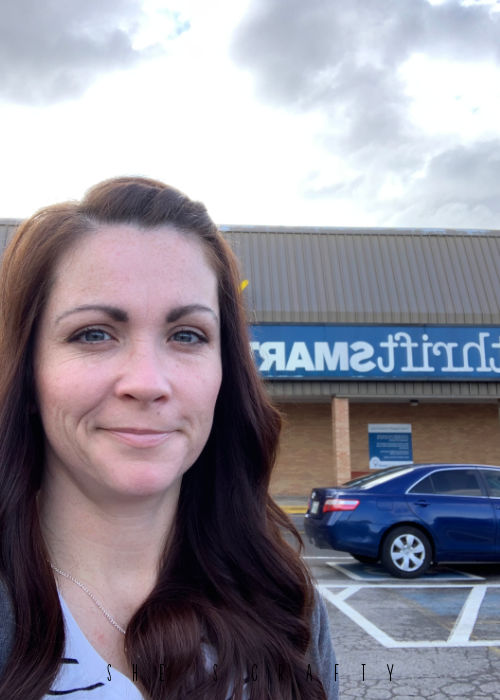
(389, 352)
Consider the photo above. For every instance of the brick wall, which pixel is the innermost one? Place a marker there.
(305, 456)
(440, 433)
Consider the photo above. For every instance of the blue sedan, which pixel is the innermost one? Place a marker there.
(410, 516)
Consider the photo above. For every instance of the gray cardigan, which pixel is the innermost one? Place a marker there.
(6, 625)
(322, 654)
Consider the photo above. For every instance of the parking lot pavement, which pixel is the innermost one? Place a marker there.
(433, 637)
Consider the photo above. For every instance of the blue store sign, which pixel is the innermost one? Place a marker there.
(389, 444)
(377, 352)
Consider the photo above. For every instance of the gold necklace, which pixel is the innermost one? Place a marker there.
(84, 588)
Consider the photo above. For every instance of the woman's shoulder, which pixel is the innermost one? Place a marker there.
(321, 647)
(6, 623)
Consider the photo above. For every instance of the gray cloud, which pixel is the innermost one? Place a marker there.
(309, 53)
(459, 188)
(344, 58)
(55, 49)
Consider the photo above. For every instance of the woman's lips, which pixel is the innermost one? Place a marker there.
(135, 437)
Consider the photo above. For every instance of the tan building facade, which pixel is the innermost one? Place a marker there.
(441, 432)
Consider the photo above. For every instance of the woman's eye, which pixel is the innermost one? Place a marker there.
(187, 337)
(91, 335)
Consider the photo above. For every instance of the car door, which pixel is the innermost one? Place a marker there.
(491, 478)
(454, 506)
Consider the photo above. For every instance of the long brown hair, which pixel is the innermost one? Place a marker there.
(229, 588)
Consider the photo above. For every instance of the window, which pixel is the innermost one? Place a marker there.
(456, 482)
(451, 482)
(492, 477)
(423, 486)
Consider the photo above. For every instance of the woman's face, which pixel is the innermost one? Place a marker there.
(127, 362)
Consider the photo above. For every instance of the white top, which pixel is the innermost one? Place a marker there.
(84, 674)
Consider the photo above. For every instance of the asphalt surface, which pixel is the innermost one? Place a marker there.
(433, 637)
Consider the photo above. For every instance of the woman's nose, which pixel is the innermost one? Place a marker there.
(144, 375)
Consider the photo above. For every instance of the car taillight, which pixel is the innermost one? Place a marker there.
(332, 504)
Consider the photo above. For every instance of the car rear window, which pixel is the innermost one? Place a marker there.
(423, 486)
(380, 477)
(493, 481)
(451, 482)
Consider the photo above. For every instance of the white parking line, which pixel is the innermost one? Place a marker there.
(365, 575)
(459, 635)
(466, 620)
(365, 624)
(352, 574)
(413, 584)
(334, 558)
(347, 592)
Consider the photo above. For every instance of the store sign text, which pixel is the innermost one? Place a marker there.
(376, 352)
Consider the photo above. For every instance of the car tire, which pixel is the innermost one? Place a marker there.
(406, 552)
(364, 559)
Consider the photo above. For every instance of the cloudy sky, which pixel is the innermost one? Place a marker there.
(291, 112)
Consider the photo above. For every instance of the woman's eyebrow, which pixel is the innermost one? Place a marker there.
(113, 311)
(121, 316)
(179, 311)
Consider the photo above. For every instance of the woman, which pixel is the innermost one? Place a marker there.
(141, 555)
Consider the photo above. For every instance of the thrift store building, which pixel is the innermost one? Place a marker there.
(380, 346)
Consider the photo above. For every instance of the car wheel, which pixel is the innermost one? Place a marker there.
(406, 552)
(364, 559)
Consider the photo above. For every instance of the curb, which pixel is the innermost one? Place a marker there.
(294, 510)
